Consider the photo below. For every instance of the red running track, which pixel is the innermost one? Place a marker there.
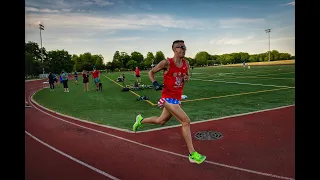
(255, 146)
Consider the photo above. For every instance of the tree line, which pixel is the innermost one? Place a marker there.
(37, 58)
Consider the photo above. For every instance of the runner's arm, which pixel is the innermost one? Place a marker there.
(189, 73)
(160, 66)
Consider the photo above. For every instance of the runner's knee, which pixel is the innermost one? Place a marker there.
(185, 121)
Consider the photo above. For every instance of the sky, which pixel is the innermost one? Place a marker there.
(216, 26)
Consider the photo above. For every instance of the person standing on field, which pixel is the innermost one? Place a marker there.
(137, 74)
(85, 81)
(65, 81)
(96, 77)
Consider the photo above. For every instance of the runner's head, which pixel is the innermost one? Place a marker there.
(179, 48)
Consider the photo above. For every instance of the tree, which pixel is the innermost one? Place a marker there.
(32, 66)
(132, 64)
(150, 55)
(243, 57)
(116, 56)
(148, 60)
(254, 58)
(33, 58)
(124, 59)
(158, 57)
(98, 61)
(202, 58)
(59, 60)
(275, 55)
(136, 56)
(192, 62)
(77, 63)
(285, 56)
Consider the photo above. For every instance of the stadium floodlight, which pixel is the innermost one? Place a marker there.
(41, 27)
(268, 31)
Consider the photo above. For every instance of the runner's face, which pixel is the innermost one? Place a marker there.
(180, 49)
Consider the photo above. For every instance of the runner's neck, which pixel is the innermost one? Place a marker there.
(177, 60)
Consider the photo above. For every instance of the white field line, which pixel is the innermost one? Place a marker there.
(242, 83)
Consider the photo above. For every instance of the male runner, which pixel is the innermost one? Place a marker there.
(176, 72)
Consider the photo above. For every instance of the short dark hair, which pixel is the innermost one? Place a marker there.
(177, 41)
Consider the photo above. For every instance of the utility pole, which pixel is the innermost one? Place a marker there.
(268, 31)
(41, 27)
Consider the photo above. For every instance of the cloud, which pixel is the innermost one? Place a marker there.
(239, 6)
(146, 6)
(68, 27)
(83, 10)
(123, 39)
(63, 5)
(32, 9)
(69, 40)
(122, 22)
(231, 41)
(98, 2)
(290, 3)
(66, 10)
(57, 4)
(241, 22)
(105, 34)
(280, 39)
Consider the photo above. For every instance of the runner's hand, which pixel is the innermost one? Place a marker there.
(185, 77)
(156, 85)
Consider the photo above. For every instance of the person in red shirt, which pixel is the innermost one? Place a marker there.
(137, 74)
(96, 77)
(176, 73)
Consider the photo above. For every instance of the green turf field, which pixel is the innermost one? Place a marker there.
(213, 92)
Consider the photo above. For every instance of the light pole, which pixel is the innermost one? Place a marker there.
(152, 65)
(268, 31)
(41, 27)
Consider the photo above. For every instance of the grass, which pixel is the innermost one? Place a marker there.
(278, 62)
(213, 93)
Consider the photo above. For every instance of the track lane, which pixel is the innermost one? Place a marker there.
(159, 139)
(43, 163)
(122, 159)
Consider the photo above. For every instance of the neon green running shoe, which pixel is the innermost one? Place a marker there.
(137, 124)
(195, 157)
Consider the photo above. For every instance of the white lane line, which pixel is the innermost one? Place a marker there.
(72, 158)
(216, 119)
(154, 129)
